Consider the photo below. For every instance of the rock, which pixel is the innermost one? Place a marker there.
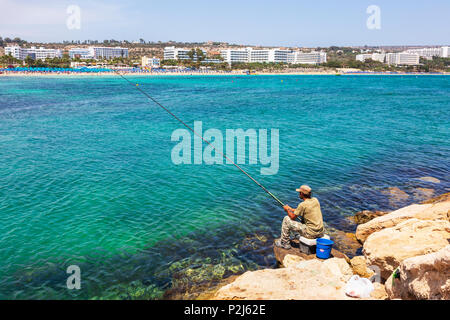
(430, 179)
(423, 193)
(367, 215)
(423, 277)
(442, 198)
(290, 260)
(307, 280)
(389, 247)
(395, 195)
(343, 242)
(359, 267)
(351, 236)
(436, 211)
(379, 292)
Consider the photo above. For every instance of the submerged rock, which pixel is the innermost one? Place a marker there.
(422, 277)
(430, 179)
(423, 193)
(395, 195)
(366, 215)
(389, 247)
(442, 198)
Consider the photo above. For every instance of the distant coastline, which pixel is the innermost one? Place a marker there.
(213, 73)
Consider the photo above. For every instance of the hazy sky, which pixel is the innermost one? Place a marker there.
(255, 22)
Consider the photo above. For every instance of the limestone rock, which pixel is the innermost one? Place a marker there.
(389, 247)
(359, 267)
(307, 280)
(435, 211)
(422, 277)
(379, 292)
(291, 260)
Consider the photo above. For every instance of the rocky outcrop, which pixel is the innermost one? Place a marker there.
(422, 277)
(307, 280)
(389, 247)
(435, 211)
(413, 240)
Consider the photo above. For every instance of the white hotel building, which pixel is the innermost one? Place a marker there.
(313, 57)
(380, 57)
(234, 55)
(402, 58)
(98, 53)
(172, 53)
(441, 52)
(151, 62)
(248, 55)
(33, 52)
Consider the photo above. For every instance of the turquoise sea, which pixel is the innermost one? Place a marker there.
(86, 176)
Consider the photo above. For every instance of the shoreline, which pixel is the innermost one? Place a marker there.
(230, 74)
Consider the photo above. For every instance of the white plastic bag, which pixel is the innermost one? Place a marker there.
(358, 287)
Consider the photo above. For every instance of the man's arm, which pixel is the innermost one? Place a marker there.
(290, 212)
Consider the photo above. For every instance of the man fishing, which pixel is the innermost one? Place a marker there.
(309, 210)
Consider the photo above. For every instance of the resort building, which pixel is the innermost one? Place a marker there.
(249, 55)
(234, 55)
(98, 53)
(402, 58)
(81, 53)
(280, 55)
(429, 53)
(312, 57)
(151, 62)
(258, 55)
(172, 53)
(380, 57)
(33, 52)
(109, 53)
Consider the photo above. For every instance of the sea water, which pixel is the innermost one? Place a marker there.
(87, 179)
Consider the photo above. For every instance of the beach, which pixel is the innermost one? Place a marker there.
(214, 73)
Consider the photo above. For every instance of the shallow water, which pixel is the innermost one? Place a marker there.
(86, 175)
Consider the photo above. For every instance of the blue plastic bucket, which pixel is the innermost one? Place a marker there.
(323, 248)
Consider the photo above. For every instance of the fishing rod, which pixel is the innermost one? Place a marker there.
(136, 85)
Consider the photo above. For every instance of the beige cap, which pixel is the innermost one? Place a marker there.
(304, 188)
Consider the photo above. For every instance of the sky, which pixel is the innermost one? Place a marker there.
(252, 22)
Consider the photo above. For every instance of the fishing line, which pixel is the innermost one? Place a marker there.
(199, 135)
